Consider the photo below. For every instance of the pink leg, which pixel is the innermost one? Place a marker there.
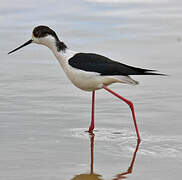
(91, 128)
(130, 105)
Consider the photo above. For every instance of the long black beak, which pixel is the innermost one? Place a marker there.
(25, 44)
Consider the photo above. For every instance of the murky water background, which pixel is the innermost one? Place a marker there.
(43, 116)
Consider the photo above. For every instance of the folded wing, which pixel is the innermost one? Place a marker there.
(105, 66)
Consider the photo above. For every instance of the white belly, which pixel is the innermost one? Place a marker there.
(88, 81)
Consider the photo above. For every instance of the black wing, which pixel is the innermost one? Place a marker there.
(105, 66)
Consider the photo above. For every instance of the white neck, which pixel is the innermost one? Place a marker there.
(63, 55)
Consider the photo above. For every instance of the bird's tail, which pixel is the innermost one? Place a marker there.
(141, 71)
(126, 80)
(148, 72)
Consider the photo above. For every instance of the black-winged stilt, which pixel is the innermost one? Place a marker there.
(88, 71)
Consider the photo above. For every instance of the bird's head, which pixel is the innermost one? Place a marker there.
(45, 36)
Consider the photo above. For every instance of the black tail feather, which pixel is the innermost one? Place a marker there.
(141, 71)
(149, 72)
(153, 73)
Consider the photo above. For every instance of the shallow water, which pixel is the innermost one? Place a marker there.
(43, 117)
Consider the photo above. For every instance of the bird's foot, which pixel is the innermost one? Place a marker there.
(91, 129)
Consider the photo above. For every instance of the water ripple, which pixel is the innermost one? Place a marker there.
(123, 141)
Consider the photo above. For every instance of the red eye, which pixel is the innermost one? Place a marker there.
(36, 33)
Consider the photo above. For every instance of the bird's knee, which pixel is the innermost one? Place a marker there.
(130, 104)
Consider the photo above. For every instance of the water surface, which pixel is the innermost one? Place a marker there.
(43, 117)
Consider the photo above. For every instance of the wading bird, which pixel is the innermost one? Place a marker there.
(88, 71)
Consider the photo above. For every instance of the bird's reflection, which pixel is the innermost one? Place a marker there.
(130, 169)
(94, 176)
